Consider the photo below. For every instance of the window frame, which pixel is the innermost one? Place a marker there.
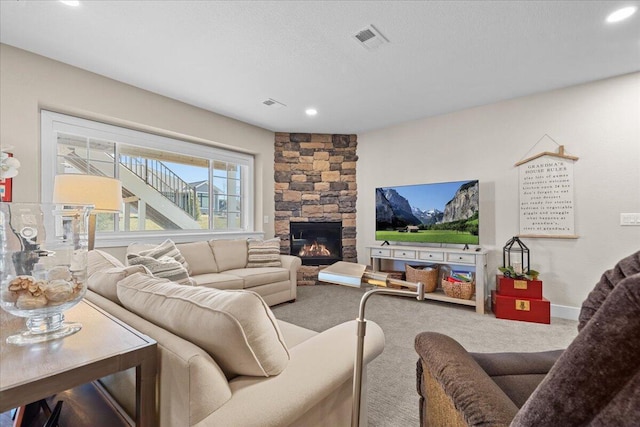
(53, 122)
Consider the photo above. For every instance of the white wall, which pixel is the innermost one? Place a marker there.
(31, 82)
(598, 122)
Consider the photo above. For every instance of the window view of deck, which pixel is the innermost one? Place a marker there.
(161, 189)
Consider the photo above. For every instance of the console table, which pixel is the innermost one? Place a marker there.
(103, 346)
(468, 259)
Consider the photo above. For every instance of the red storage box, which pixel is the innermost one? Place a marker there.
(521, 288)
(525, 309)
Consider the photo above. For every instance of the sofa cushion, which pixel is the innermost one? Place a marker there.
(219, 280)
(199, 256)
(229, 254)
(164, 267)
(236, 327)
(98, 260)
(263, 253)
(104, 281)
(260, 276)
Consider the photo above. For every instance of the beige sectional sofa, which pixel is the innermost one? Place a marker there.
(223, 358)
(225, 264)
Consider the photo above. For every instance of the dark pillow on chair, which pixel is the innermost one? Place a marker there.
(626, 267)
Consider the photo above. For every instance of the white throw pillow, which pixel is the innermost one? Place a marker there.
(263, 253)
(104, 281)
(236, 327)
(166, 248)
(165, 267)
(98, 260)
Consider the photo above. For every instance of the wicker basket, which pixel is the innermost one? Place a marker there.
(427, 275)
(461, 290)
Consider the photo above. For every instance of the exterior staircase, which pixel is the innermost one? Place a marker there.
(162, 196)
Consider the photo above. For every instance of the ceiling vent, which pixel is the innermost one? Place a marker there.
(270, 102)
(370, 38)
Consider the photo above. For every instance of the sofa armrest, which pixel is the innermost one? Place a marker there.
(292, 263)
(319, 366)
(513, 364)
(469, 391)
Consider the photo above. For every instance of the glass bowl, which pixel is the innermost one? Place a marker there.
(43, 262)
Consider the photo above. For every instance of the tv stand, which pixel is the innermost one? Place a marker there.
(386, 242)
(455, 258)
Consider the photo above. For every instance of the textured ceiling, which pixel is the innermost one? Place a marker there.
(228, 57)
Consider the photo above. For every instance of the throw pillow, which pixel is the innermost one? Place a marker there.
(235, 326)
(104, 282)
(264, 253)
(98, 260)
(164, 267)
(167, 248)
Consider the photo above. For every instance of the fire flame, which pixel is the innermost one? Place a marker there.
(314, 249)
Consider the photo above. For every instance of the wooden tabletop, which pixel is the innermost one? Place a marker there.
(103, 346)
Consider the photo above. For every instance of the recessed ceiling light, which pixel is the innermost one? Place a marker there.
(311, 111)
(621, 14)
(73, 3)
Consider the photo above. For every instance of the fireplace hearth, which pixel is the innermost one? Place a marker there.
(316, 243)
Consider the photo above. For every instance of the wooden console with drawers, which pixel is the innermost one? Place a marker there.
(468, 260)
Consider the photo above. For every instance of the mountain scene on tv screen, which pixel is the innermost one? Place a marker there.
(432, 213)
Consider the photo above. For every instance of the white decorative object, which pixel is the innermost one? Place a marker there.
(8, 165)
(546, 186)
(44, 266)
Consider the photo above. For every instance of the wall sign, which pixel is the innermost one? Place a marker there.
(546, 186)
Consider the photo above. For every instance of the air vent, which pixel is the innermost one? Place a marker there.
(270, 102)
(370, 38)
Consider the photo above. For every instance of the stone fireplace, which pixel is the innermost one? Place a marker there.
(315, 182)
(316, 243)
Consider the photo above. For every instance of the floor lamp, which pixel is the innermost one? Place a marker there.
(351, 274)
(104, 193)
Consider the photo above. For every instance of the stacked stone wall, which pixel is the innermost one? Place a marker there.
(315, 180)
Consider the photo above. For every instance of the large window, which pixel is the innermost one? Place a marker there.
(168, 185)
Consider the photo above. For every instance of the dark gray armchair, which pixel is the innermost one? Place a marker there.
(595, 381)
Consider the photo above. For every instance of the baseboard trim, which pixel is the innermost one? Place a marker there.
(565, 312)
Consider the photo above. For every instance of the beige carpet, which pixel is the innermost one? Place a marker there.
(393, 400)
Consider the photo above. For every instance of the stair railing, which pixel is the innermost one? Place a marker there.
(165, 181)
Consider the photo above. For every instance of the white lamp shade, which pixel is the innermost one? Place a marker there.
(102, 192)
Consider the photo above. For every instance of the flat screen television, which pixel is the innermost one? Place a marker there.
(444, 212)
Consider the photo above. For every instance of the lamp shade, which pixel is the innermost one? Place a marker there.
(103, 192)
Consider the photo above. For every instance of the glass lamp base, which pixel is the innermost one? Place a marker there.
(44, 328)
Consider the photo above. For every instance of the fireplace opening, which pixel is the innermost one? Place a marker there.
(316, 243)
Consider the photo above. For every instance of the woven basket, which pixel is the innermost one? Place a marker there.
(461, 290)
(427, 275)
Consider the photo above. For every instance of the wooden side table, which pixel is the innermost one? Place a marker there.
(104, 345)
